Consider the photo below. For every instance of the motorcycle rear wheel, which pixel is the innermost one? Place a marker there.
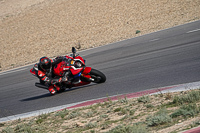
(98, 76)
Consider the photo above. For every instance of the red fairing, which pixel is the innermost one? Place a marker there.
(59, 69)
(87, 70)
(79, 58)
(75, 70)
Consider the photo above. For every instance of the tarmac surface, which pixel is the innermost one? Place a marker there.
(164, 58)
(133, 67)
(167, 89)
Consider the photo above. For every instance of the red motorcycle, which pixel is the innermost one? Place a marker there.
(79, 75)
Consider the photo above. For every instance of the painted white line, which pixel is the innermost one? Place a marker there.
(123, 40)
(7, 72)
(193, 31)
(180, 87)
(35, 113)
(136, 37)
(155, 40)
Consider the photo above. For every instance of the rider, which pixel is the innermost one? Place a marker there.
(43, 70)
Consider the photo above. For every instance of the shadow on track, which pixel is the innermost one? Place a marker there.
(36, 97)
(49, 95)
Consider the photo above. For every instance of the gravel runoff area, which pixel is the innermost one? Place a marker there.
(30, 29)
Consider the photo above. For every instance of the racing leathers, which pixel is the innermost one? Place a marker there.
(46, 75)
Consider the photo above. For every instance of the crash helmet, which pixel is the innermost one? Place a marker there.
(45, 63)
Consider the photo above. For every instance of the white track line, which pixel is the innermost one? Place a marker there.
(7, 72)
(180, 87)
(193, 31)
(127, 39)
(154, 39)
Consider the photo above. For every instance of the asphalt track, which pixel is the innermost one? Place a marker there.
(165, 58)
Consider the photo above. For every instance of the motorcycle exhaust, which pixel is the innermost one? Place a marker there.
(41, 86)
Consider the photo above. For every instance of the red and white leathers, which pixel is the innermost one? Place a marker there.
(62, 76)
(46, 76)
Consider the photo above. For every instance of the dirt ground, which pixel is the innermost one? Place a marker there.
(30, 29)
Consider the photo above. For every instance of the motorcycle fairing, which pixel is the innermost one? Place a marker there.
(79, 58)
(87, 70)
(73, 67)
(85, 73)
(58, 69)
(75, 70)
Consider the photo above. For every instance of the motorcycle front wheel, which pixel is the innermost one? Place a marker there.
(98, 76)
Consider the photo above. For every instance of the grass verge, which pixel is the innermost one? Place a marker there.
(170, 112)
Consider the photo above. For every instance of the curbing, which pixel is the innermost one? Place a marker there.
(176, 88)
(193, 130)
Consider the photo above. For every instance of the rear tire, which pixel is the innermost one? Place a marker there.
(98, 76)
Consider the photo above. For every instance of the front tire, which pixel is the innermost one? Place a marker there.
(98, 76)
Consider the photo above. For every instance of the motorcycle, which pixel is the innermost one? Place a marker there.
(80, 74)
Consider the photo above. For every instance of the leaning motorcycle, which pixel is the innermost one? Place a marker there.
(80, 74)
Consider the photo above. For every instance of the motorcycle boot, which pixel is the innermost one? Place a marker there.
(52, 90)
